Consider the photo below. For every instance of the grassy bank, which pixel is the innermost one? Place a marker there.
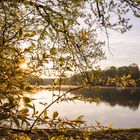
(111, 134)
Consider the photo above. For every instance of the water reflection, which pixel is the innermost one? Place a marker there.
(112, 96)
(121, 107)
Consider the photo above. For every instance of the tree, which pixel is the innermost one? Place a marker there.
(111, 72)
(48, 35)
(134, 70)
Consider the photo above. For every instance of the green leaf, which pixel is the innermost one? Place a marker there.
(34, 109)
(4, 116)
(79, 118)
(61, 60)
(6, 105)
(15, 121)
(1, 81)
(24, 111)
(53, 51)
(20, 32)
(45, 113)
(30, 106)
(27, 100)
(55, 115)
(30, 34)
(68, 68)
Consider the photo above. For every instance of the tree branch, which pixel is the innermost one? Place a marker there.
(72, 89)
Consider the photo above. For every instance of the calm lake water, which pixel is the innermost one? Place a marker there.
(119, 107)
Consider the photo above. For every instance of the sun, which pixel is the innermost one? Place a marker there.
(23, 66)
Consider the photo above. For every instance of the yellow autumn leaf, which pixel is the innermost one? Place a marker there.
(22, 138)
(110, 125)
(22, 60)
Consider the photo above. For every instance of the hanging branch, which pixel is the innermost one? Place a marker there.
(72, 89)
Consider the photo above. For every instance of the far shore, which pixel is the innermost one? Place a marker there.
(56, 87)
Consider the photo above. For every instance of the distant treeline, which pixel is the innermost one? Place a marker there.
(94, 77)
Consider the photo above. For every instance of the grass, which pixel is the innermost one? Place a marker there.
(46, 134)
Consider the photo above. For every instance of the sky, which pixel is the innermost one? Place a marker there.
(124, 47)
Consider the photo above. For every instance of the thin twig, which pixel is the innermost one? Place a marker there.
(72, 89)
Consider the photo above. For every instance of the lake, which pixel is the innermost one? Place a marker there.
(116, 106)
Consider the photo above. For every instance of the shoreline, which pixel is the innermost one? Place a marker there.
(76, 86)
(109, 134)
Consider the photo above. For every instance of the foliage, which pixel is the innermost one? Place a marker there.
(126, 134)
(121, 76)
(48, 38)
(58, 129)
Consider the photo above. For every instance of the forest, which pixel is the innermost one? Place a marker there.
(108, 77)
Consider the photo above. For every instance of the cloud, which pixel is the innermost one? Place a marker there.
(124, 47)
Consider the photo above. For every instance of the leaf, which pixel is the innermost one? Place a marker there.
(45, 113)
(30, 106)
(17, 26)
(20, 32)
(54, 138)
(15, 121)
(45, 55)
(24, 111)
(1, 23)
(22, 85)
(25, 120)
(87, 138)
(34, 110)
(68, 68)
(30, 34)
(53, 51)
(6, 105)
(26, 99)
(4, 116)
(61, 60)
(79, 118)
(110, 125)
(55, 115)
(22, 137)
(98, 1)
(1, 81)
(128, 76)
(48, 137)
(42, 103)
